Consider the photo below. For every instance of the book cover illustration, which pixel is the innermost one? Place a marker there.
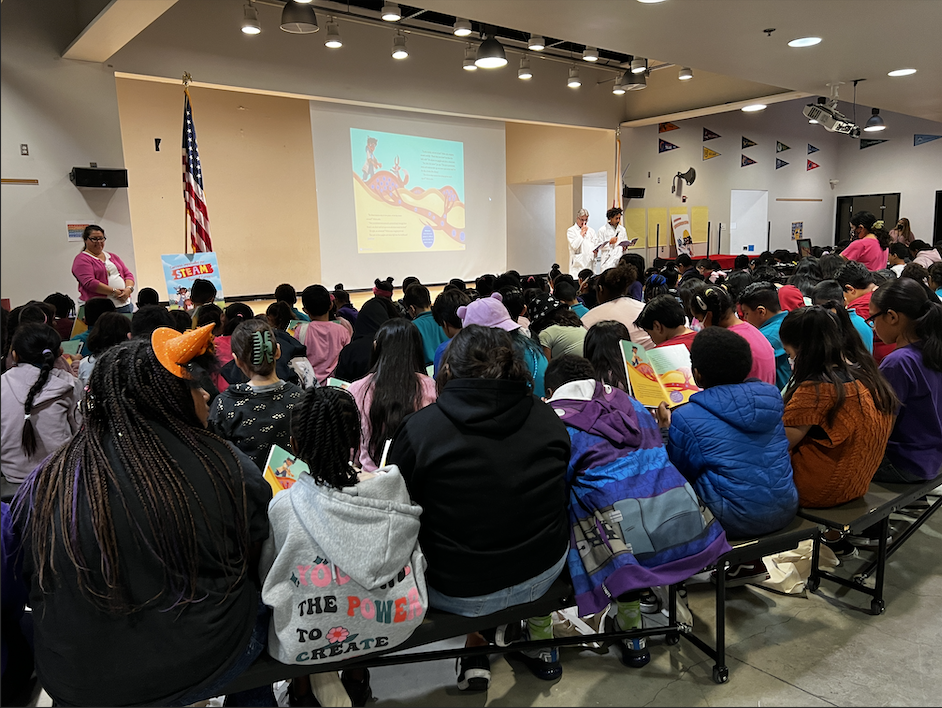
(283, 469)
(659, 375)
(338, 383)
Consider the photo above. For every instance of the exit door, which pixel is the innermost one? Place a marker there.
(882, 206)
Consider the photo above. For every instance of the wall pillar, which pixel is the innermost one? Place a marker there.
(568, 202)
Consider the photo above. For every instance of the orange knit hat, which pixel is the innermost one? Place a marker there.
(174, 349)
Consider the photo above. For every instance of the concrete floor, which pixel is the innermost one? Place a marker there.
(818, 649)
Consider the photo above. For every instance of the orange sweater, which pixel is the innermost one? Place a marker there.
(835, 463)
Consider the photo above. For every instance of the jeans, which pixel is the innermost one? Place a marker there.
(889, 473)
(262, 696)
(129, 308)
(520, 594)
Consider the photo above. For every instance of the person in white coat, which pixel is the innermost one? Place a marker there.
(582, 240)
(609, 238)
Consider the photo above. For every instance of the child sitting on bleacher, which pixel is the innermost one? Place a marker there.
(906, 313)
(761, 308)
(730, 444)
(341, 568)
(838, 410)
(652, 530)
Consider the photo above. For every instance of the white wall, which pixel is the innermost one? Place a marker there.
(595, 198)
(531, 219)
(67, 113)
(892, 167)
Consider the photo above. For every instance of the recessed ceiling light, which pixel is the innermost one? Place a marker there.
(536, 43)
(754, 107)
(462, 28)
(805, 42)
(901, 72)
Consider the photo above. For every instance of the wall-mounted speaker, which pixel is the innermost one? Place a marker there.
(110, 178)
(633, 193)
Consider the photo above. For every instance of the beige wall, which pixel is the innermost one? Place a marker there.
(258, 173)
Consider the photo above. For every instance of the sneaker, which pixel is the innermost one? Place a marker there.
(649, 602)
(504, 635)
(744, 573)
(870, 540)
(474, 672)
(308, 699)
(543, 662)
(842, 548)
(634, 652)
(358, 689)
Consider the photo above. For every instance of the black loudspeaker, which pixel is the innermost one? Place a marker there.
(633, 193)
(99, 177)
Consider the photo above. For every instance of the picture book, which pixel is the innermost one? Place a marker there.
(71, 346)
(339, 383)
(292, 328)
(283, 469)
(659, 375)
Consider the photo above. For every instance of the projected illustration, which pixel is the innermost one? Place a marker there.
(409, 192)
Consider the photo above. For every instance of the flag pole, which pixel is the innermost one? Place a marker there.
(186, 216)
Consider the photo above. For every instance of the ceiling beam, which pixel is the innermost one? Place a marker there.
(116, 25)
(712, 110)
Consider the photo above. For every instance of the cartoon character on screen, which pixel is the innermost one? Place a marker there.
(399, 172)
(371, 164)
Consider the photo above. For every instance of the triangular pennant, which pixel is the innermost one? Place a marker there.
(746, 161)
(747, 143)
(709, 154)
(867, 142)
(812, 165)
(779, 163)
(781, 147)
(664, 146)
(920, 139)
(811, 149)
(709, 134)
(664, 127)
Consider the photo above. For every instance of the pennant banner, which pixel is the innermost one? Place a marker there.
(664, 146)
(709, 154)
(867, 142)
(812, 165)
(918, 139)
(811, 149)
(709, 134)
(746, 161)
(779, 163)
(781, 147)
(747, 143)
(664, 127)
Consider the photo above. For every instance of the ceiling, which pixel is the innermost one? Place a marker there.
(725, 42)
(862, 39)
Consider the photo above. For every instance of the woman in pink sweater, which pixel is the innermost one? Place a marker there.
(871, 243)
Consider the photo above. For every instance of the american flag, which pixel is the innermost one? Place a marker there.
(197, 216)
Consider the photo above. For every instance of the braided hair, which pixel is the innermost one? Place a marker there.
(130, 397)
(38, 345)
(325, 426)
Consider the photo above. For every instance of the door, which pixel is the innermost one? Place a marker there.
(882, 206)
(748, 221)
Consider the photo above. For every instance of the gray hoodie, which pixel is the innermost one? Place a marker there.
(342, 569)
(55, 417)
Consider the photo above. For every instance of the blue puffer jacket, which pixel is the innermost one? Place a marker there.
(730, 444)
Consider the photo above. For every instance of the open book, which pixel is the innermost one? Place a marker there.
(283, 469)
(628, 243)
(659, 375)
(292, 328)
(337, 383)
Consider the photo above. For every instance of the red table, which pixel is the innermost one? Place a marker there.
(726, 260)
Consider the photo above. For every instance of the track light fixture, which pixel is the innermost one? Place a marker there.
(469, 55)
(399, 50)
(524, 72)
(462, 28)
(875, 122)
(574, 80)
(685, 74)
(618, 88)
(250, 20)
(634, 82)
(639, 65)
(590, 54)
(536, 43)
(391, 12)
(491, 54)
(298, 18)
(334, 40)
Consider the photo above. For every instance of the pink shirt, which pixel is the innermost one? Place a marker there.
(763, 356)
(324, 340)
(867, 251)
(89, 272)
(362, 393)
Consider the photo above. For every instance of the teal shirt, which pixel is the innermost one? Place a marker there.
(863, 329)
(298, 315)
(579, 309)
(83, 338)
(769, 329)
(432, 335)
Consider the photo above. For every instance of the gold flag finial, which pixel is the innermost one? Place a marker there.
(186, 79)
